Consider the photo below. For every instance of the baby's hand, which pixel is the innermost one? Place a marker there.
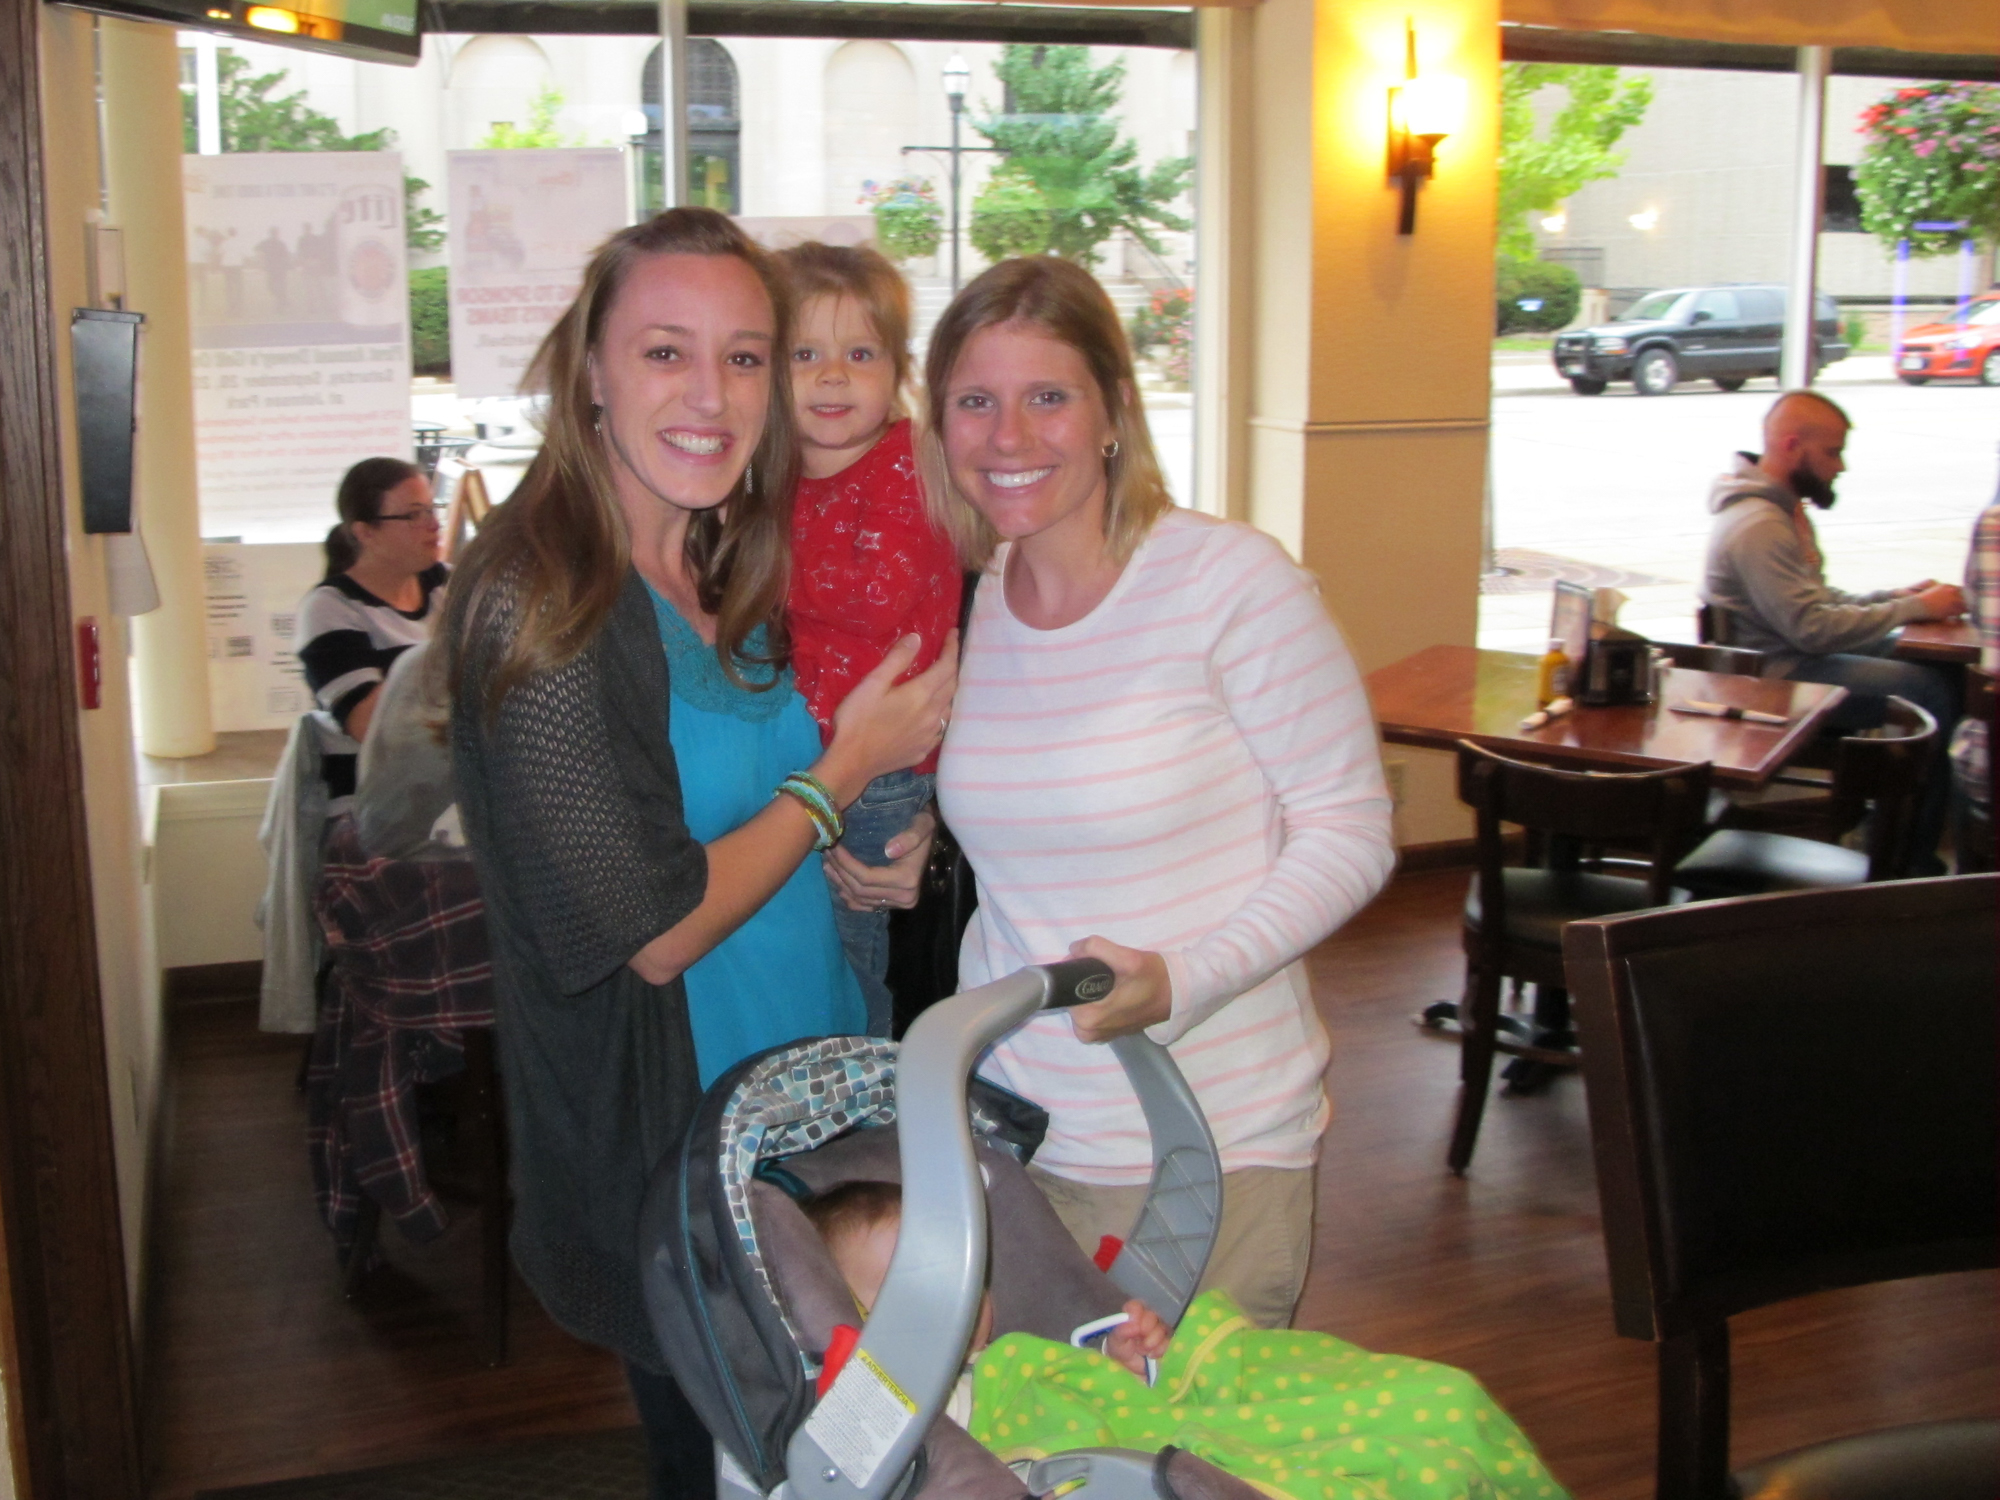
(1140, 1337)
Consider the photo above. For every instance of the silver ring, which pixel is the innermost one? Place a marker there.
(943, 724)
(882, 904)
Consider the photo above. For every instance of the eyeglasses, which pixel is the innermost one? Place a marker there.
(431, 513)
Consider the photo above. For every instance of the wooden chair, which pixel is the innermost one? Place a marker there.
(1972, 832)
(1792, 845)
(1514, 915)
(1711, 625)
(1806, 1153)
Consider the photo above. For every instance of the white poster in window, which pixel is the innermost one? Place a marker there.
(301, 310)
(523, 226)
(254, 677)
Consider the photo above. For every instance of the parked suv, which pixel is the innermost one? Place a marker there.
(1726, 334)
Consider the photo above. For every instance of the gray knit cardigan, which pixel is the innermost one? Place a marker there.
(572, 808)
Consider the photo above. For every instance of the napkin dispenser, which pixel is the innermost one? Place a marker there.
(1616, 669)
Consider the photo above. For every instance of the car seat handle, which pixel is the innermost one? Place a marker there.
(1078, 981)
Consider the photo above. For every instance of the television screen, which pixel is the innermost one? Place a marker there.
(372, 30)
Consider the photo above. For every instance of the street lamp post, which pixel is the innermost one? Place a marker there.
(956, 76)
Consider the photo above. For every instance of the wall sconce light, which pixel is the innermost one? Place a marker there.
(1422, 112)
(1645, 219)
(1555, 223)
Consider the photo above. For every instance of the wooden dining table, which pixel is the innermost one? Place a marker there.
(1939, 640)
(1445, 694)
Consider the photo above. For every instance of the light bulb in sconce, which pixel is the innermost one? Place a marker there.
(1432, 106)
(1645, 219)
(1555, 223)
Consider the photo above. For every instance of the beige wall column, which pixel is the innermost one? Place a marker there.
(142, 156)
(1372, 350)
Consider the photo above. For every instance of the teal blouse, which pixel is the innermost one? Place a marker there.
(781, 976)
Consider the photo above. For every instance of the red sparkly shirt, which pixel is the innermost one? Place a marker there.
(868, 568)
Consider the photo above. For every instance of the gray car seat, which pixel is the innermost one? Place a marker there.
(745, 1296)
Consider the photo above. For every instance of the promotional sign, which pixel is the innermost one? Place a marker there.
(254, 677)
(523, 226)
(301, 309)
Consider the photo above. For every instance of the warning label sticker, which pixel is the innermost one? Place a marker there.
(861, 1418)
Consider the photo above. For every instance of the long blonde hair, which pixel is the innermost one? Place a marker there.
(1065, 302)
(555, 555)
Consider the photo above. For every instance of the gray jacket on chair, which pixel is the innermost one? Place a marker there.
(1769, 583)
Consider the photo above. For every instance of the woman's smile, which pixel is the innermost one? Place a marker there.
(696, 444)
(1017, 479)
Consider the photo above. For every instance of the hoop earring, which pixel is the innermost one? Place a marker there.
(750, 479)
(1111, 449)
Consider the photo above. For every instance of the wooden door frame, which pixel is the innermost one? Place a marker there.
(76, 1407)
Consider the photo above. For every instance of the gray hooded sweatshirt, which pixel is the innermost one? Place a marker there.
(1772, 584)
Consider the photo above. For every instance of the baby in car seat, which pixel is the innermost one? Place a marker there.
(860, 1222)
(1302, 1416)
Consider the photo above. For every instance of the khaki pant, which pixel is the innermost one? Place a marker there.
(1261, 1248)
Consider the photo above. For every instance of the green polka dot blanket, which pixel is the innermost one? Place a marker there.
(1301, 1416)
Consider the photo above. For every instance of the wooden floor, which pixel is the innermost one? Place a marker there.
(257, 1370)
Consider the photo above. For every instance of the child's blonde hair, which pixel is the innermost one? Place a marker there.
(819, 270)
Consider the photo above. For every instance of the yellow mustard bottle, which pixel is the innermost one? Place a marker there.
(1552, 675)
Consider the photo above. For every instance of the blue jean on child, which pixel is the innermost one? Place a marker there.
(886, 806)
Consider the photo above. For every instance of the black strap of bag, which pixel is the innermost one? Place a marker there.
(924, 941)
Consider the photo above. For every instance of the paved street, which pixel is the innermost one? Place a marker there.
(1621, 481)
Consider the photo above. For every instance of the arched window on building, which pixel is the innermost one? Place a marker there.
(871, 115)
(493, 79)
(715, 128)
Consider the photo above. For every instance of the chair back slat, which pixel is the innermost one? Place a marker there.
(1660, 811)
(1757, 1134)
(1728, 661)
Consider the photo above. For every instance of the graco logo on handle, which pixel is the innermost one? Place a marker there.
(1096, 987)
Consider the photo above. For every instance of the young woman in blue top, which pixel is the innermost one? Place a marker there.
(640, 784)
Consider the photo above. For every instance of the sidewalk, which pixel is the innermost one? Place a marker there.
(1517, 372)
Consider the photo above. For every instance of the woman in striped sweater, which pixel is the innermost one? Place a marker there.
(1160, 756)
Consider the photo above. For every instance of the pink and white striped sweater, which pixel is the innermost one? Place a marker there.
(1191, 768)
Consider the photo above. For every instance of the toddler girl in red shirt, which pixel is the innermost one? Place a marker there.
(868, 567)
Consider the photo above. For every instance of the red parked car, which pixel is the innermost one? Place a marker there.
(1968, 349)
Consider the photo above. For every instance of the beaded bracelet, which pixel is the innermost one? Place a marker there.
(818, 802)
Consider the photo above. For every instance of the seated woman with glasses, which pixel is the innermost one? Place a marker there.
(384, 587)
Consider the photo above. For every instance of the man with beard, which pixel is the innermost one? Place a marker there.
(1766, 583)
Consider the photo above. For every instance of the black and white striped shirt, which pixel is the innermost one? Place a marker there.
(349, 638)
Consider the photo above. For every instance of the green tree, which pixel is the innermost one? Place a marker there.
(1539, 169)
(541, 133)
(1933, 155)
(1061, 139)
(256, 117)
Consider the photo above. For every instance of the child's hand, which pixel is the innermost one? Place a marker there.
(1142, 1336)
